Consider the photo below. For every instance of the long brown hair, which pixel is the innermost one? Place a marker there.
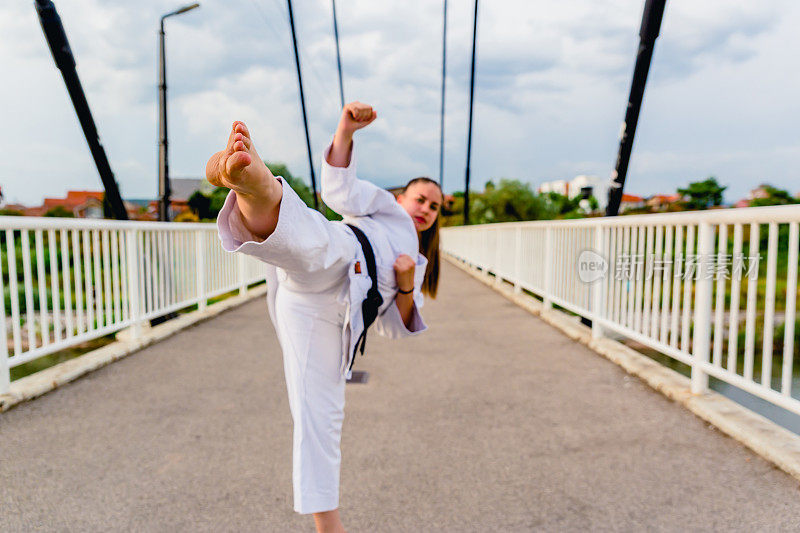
(429, 245)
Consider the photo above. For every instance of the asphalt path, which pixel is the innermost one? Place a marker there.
(490, 421)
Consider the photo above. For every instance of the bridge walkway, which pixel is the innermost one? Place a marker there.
(491, 421)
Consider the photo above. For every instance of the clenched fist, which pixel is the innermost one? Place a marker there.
(404, 272)
(355, 116)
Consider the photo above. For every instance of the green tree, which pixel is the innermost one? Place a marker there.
(703, 194)
(217, 198)
(561, 206)
(299, 186)
(508, 201)
(511, 201)
(302, 190)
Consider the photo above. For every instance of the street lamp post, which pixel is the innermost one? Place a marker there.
(163, 164)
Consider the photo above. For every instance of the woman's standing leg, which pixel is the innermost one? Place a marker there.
(329, 522)
(310, 329)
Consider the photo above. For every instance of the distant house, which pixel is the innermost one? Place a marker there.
(183, 188)
(662, 202)
(82, 204)
(91, 208)
(89, 204)
(587, 186)
(581, 185)
(557, 186)
(758, 192)
(139, 209)
(631, 201)
(19, 208)
(147, 208)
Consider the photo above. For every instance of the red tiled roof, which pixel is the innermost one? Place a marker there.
(631, 198)
(82, 196)
(73, 199)
(666, 197)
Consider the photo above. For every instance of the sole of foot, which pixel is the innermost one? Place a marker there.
(239, 167)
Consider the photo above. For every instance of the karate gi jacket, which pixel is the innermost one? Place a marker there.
(303, 241)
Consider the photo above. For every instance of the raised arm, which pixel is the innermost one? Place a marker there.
(355, 116)
(341, 190)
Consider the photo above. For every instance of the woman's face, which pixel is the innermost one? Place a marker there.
(422, 201)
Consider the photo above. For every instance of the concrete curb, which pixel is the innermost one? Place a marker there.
(51, 378)
(769, 440)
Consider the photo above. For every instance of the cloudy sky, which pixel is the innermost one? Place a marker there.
(551, 88)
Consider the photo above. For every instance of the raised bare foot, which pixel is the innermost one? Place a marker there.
(238, 167)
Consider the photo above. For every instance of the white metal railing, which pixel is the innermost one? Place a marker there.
(67, 281)
(683, 284)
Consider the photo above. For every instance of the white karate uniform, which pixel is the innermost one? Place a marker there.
(316, 281)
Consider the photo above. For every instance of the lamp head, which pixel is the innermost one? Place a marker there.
(187, 8)
(184, 9)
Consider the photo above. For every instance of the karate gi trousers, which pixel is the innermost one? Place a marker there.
(310, 329)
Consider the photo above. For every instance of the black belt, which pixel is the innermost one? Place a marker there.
(373, 301)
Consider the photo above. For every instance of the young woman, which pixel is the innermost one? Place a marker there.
(317, 279)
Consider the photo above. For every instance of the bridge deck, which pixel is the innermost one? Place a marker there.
(493, 420)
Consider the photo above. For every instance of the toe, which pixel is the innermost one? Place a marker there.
(232, 135)
(237, 162)
(241, 128)
(245, 140)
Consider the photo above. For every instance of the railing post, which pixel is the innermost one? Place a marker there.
(547, 257)
(240, 261)
(498, 277)
(131, 237)
(200, 269)
(5, 369)
(518, 260)
(597, 286)
(701, 337)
